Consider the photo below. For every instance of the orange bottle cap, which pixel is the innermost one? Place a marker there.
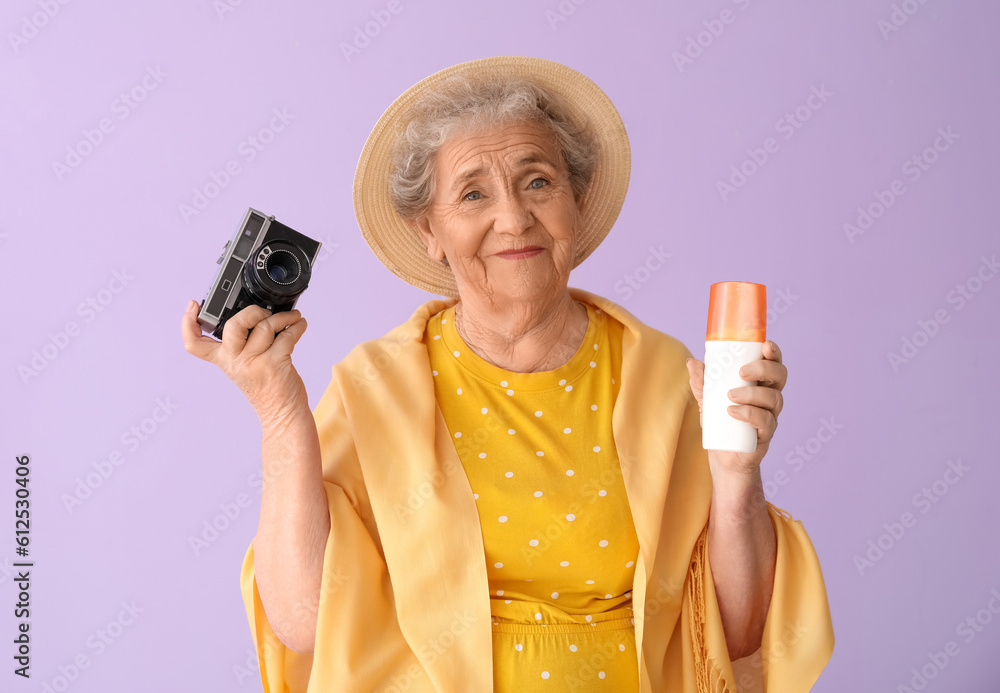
(737, 311)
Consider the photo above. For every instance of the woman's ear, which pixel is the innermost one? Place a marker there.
(423, 228)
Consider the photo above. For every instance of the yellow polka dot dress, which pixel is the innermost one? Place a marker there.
(557, 530)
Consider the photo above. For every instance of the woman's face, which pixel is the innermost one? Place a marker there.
(504, 214)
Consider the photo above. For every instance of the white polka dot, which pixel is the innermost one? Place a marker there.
(509, 474)
(600, 674)
(602, 543)
(590, 582)
(518, 647)
(593, 407)
(476, 496)
(499, 593)
(607, 596)
(538, 413)
(444, 320)
(540, 453)
(571, 517)
(545, 674)
(484, 410)
(533, 542)
(621, 648)
(482, 455)
(568, 388)
(538, 616)
(538, 494)
(564, 563)
(628, 595)
(563, 381)
(569, 472)
(507, 601)
(503, 383)
(572, 648)
(595, 347)
(589, 618)
(437, 336)
(555, 595)
(567, 430)
(597, 448)
(593, 364)
(632, 620)
(602, 493)
(498, 565)
(434, 372)
(510, 392)
(456, 352)
(630, 564)
(458, 434)
(502, 518)
(459, 391)
(612, 381)
(511, 431)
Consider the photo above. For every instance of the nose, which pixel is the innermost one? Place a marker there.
(513, 215)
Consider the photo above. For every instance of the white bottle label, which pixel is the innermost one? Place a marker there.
(719, 430)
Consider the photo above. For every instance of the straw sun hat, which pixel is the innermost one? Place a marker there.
(399, 247)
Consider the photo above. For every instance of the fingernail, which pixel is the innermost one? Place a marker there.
(191, 304)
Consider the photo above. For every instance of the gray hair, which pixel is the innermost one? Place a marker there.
(458, 105)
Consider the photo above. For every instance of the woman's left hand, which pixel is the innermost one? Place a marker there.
(758, 405)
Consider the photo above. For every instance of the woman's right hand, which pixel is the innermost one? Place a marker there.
(260, 364)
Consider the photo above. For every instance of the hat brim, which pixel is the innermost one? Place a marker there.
(399, 247)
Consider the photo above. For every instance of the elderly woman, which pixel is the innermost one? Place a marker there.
(508, 491)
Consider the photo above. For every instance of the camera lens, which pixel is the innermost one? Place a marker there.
(282, 267)
(276, 272)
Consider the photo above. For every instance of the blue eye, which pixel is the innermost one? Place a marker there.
(538, 180)
(470, 198)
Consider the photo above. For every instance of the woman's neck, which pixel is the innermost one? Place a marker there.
(524, 338)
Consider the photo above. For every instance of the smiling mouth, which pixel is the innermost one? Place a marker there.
(521, 251)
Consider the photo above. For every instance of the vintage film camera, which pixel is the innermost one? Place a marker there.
(267, 263)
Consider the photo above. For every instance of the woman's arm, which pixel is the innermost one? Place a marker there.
(255, 353)
(742, 549)
(742, 545)
(292, 531)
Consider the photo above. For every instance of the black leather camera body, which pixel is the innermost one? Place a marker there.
(266, 263)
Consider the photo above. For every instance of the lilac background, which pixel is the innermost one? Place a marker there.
(847, 304)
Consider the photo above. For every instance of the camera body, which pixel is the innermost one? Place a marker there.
(266, 263)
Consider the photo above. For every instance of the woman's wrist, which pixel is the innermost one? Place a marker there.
(274, 423)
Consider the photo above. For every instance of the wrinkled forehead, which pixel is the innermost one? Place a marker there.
(473, 152)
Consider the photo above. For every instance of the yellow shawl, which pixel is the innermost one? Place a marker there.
(405, 599)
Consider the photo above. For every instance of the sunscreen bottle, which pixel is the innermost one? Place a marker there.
(737, 316)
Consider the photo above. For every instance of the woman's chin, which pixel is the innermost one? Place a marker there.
(532, 286)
